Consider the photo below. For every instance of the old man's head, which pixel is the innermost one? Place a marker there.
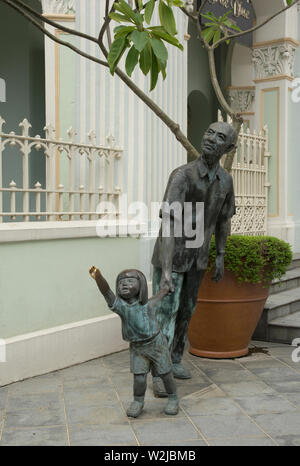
(219, 139)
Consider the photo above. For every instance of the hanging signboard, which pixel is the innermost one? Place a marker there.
(242, 14)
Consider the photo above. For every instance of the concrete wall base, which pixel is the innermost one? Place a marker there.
(45, 351)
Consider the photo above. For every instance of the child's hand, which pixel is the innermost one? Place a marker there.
(94, 272)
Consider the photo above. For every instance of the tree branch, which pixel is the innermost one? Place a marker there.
(255, 28)
(108, 28)
(51, 36)
(216, 85)
(52, 23)
(202, 7)
(174, 127)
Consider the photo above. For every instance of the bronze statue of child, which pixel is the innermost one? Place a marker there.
(148, 346)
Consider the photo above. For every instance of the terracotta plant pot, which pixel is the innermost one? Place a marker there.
(225, 318)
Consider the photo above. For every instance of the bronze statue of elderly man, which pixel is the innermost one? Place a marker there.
(176, 266)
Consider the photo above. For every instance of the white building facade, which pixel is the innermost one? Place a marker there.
(51, 314)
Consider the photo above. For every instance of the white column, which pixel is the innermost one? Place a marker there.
(60, 11)
(273, 60)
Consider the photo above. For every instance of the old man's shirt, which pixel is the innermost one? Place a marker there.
(194, 183)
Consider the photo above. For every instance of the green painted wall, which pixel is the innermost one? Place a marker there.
(270, 118)
(22, 68)
(46, 283)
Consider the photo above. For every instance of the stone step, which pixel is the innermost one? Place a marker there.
(283, 303)
(279, 305)
(289, 281)
(285, 329)
(295, 262)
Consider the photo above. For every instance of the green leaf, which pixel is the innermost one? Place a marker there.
(158, 31)
(289, 2)
(217, 36)
(162, 69)
(131, 60)
(159, 49)
(128, 11)
(178, 3)
(115, 53)
(121, 31)
(139, 38)
(210, 17)
(154, 72)
(167, 19)
(119, 18)
(208, 34)
(149, 11)
(145, 59)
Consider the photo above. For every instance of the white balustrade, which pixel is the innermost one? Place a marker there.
(251, 185)
(63, 196)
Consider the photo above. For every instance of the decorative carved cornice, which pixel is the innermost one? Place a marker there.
(58, 7)
(241, 98)
(274, 59)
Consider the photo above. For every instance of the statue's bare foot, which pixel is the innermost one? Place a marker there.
(135, 409)
(180, 372)
(172, 406)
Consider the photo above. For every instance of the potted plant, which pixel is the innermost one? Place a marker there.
(227, 313)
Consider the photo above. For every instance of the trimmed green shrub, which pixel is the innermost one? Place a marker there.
(254, 259)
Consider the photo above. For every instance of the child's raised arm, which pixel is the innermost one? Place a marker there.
(157, 298)
(103, 285)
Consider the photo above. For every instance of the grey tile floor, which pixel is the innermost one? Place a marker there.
(253, 401)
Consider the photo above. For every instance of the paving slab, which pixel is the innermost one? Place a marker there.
(264, 403)
(35, 417)
(38, 436)
(288, 441)
(101, 435)
(108, 413)
(245, 388)
(252, 400)
(3, 396)
(50, 401)
(220, 426)
(286, 387)
(90, 395)
(41, 384)
(188, 443)
(264, 441)
(169, 430)
(210, 406)
(229, 376)
(276, 374)
(279, 424)
(266, 363)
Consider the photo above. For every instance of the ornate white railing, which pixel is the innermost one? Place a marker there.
(78, 177)
(251, 185)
